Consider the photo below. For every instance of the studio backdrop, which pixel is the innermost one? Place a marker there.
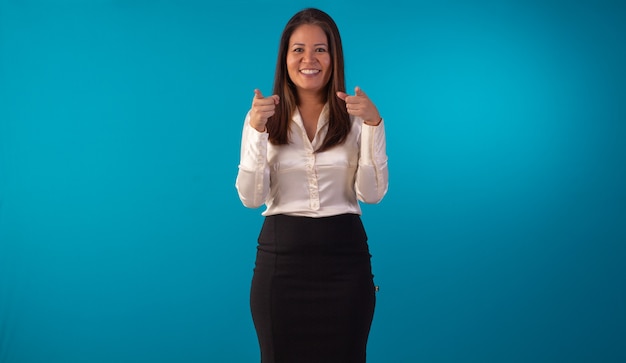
(502, 237)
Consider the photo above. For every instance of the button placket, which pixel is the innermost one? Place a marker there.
(314, 197)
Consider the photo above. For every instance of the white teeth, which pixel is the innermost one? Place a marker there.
(310, 71)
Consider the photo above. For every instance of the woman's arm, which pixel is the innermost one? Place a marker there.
(372, 175)
(253, 176)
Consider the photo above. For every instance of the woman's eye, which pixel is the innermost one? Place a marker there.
(298, 50)
(320, 50)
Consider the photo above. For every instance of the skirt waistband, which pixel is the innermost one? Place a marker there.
(283, 233)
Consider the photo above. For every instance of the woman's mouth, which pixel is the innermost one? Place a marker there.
(309, 71)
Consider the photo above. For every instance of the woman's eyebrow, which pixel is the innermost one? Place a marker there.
(315, 45)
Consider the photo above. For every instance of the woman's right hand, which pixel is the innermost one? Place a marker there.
(262, 109)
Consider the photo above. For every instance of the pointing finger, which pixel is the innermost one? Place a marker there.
(258, 94)
(358, 91)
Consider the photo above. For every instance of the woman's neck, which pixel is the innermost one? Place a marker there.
(310, 107)
(311, 100)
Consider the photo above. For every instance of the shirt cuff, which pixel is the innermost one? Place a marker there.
(254, 155)
(373, 143)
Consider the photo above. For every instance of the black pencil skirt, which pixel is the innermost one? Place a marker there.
(312, 295)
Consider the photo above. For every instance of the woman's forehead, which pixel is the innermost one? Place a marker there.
(308, 33)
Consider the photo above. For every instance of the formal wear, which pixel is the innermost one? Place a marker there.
(312, 296)
(293, 179)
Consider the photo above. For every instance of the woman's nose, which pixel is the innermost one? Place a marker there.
(309, 56)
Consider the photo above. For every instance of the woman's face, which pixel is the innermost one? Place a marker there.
(308, 59)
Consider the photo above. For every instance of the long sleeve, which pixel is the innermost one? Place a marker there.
(372, 176)
(253, 176)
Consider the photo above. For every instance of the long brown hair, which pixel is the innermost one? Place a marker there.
(339, 120)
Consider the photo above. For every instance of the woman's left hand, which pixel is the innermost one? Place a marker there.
(360, 105)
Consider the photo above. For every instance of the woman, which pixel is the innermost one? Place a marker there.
(310, 152)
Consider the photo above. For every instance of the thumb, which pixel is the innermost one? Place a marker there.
(342, 95)
(276, 98)
(358, 91)
(258, 94)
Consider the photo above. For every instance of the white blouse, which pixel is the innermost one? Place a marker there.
(292, 179)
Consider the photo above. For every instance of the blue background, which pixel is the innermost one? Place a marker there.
(502, 237)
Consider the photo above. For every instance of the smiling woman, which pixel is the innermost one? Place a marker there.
(500, 240)
(309, 67)
(310, 153)
(308, 60)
